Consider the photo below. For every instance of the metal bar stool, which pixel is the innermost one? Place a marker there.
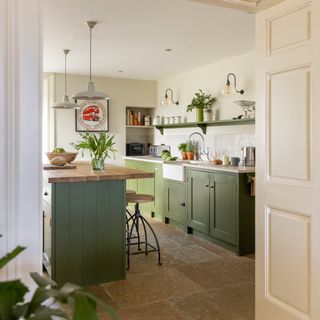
(137, 221)
(129, 217)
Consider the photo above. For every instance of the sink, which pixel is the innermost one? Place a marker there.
(174, 171)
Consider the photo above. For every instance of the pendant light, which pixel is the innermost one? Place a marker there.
(91, 93)
(65, 104)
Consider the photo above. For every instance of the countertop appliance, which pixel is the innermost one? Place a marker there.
(249, 156)
(135, 149)
(156, 150)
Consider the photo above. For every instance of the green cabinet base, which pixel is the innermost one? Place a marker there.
(88, 232)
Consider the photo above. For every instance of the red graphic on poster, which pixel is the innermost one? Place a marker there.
(91, 113)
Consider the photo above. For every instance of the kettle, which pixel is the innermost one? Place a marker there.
(249, 156)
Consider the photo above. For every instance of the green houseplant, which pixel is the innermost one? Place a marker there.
(47, 301)
(190, 150)
(99, 147)
(183, 149)
(201, 101)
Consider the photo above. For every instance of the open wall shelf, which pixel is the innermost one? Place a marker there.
(203, 125)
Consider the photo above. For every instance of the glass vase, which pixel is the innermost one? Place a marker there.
(199, 114)
(97, 163)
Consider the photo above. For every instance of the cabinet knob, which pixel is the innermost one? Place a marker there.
(212, 187)
(182, 204)
(207, 186)
(45, 193)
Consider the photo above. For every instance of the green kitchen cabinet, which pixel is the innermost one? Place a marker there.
(132, 184)
(153, 186)
(175, 201)
(221, 209)
(198, 190)
(88, 232)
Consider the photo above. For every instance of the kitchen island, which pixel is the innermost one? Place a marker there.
(84, 223)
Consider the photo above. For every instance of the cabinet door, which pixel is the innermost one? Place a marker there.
(176, 202)
(223, 207)
(132, 184)
(46, 230)
(147, 186)
(159, 189)
(198, 200)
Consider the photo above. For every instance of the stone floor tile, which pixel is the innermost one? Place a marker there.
(227, 303)
(155, 311)
(144, 288)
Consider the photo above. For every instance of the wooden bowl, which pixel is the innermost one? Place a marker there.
(69, 156)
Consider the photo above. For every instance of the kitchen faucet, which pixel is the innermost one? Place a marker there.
(203, 149)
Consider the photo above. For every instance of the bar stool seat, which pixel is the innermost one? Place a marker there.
(134, 222)
(139, 198)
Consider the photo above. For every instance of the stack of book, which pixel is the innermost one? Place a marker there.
(134, 118)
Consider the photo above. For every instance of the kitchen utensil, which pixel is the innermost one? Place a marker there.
(156, 150)
(249, 156)
(235, 161)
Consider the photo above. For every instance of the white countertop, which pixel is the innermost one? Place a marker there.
(186, 163)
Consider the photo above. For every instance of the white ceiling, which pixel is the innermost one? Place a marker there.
(132, 34)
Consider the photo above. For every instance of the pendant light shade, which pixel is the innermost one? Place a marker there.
(90, 93)
(65, 103)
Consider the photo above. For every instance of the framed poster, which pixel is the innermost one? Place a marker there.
(93, 116)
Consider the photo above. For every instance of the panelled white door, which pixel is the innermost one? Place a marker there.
(288, 162)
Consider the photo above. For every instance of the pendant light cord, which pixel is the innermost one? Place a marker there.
(90, 52)
(65, 74)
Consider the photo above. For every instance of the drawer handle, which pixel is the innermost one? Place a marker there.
(182, 204)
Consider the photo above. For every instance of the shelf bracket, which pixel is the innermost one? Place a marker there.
(203, 127)
(160, 128)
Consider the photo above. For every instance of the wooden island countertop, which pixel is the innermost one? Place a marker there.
(83, 172)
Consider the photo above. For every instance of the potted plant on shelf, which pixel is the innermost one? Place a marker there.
(200, 102)
(183, 149)
(190, 150)
(99, 147)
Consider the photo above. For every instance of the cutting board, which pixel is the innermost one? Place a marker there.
(53, 167)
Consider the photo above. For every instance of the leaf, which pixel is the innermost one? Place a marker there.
(106, 307)
(11, 293)
(46, 313)
(84, 308)
(42, 281)
(69, 288)
(11, 255)
(41, 295)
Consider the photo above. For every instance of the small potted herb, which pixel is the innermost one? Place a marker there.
(99, 147)
(200, 102)
(183, 148)
(190, 150)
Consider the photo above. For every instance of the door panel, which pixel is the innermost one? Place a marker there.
(176, 202)
(223, 207)
(287, 205)
(199, 199)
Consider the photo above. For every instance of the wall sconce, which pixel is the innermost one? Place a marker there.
(229, 89)
(168, 98)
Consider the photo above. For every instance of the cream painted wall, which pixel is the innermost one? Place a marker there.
(211, 79)
(122, 93)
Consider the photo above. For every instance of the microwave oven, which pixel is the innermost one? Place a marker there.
(135, 149)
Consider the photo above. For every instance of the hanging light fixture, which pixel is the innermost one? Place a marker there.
(230, 89)
(65, 103)
(168, 98)
(91, 92)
